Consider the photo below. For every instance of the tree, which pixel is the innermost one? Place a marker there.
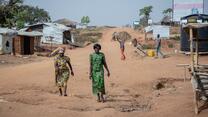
(14, 14)
(167, 19)
(143, 21)
(168, 12)
(85, 20)
(145, 12)
(8, 10)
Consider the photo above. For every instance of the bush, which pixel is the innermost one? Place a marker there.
(84, 35)
(148, 46)
(170, 45)
(176, 38)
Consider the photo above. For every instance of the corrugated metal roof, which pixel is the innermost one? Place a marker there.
(196, 25)
(54, 25)
(30, 34)
(7, 31)
(23, 29)
(58, 26)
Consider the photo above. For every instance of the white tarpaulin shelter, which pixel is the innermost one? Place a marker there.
(6, 40)
(53, 33)
(163, 31)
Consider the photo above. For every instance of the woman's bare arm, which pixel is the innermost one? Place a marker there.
(70, 66)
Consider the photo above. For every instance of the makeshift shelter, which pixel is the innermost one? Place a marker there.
(198, 71)
(201, 32)
(164, 31)
(52, 32)
(6, 40)
(25, 42)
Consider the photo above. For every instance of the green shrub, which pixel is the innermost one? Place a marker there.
(170, 45)
(148, 46)
(176, 38)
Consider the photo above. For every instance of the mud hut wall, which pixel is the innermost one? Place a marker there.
(6, 43)
(32, 42)
(18, 47)
(37, 42)
(1, 44)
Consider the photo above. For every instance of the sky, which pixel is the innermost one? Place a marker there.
(102, 12)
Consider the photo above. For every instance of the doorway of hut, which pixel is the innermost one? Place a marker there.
(67, 37)
(26, 45)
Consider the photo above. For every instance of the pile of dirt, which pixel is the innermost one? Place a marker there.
(164, 83)
(10, 60)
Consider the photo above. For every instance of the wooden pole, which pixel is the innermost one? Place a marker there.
(197, 50)
(191, 49)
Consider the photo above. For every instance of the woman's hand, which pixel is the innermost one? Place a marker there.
(108, 74)
(72, 73)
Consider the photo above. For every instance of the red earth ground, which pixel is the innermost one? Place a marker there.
(28, 90)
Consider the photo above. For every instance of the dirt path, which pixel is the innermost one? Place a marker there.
(28, 90)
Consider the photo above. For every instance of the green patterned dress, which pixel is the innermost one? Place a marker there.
(63, 70)
(98, 85)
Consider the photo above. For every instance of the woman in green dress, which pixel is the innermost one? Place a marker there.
(97, 61)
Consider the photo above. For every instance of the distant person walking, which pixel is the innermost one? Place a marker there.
(122, 37)
(158, 47)
(122, 48)
(62, 72)
(97, 61)
(117, 37)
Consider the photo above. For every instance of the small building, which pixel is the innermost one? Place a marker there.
(201, 33)
(52, 32)
(136, 24)
(6, 40)
(26, 42)
(154, 30)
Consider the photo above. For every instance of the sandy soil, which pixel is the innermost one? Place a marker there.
(10, 60)
(29, 89)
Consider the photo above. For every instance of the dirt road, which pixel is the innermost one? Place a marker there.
(29, 91)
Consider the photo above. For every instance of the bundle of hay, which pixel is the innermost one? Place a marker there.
(121, 36)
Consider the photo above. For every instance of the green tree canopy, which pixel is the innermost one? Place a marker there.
(85, 20)
(13, 13)
(168, 11)
(145, 12)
